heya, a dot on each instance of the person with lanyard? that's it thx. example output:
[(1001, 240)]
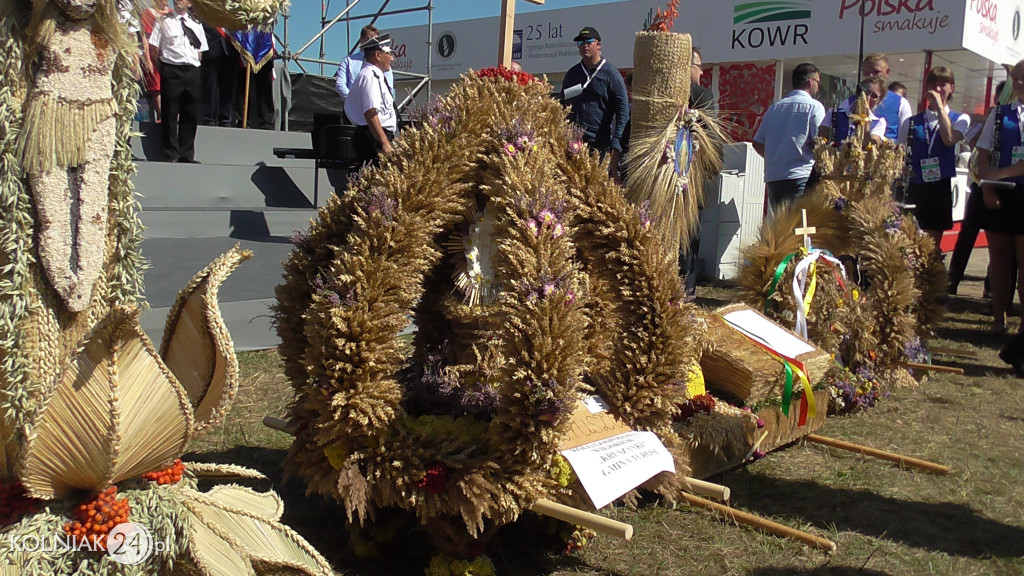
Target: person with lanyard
[(596, 95), (353, 63), (932, 136), (895, 109), (1001, 170), (370, 104), (836, 126), (181, 41)]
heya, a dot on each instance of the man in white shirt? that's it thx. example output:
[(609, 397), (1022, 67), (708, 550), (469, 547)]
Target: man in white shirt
[(370, 102), (181, 41), (353, 63), (785, 137)]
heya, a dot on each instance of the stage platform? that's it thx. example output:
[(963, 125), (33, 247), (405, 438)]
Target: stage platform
[(240, 194)]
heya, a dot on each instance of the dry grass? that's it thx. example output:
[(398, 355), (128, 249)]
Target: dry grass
[(885, 520)]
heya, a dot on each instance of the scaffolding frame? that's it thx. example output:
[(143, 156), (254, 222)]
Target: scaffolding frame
[(297, 56)]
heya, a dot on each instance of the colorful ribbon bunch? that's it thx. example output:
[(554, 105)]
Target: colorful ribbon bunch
[(806, 268)]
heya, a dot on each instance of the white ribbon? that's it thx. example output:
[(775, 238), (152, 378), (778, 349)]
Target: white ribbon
[(800, 285)]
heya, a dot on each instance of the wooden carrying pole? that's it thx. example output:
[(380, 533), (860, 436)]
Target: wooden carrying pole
[(580, 518), (278, 424), (932, 367), (707, 489), (881, 454), (759, 523), (543, 506)]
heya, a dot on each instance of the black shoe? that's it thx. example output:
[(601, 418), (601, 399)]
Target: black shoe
[(951, 289)]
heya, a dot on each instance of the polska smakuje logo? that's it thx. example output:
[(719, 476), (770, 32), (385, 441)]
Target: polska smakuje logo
[(127, 543), (757, 24)]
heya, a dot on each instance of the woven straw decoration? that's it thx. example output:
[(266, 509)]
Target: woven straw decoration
[(239, 14), (116, 412), (661, 79), (197, 347), (236, 531)]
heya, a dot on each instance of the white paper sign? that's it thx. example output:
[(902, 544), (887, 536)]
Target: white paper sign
[(612, 467), (768, 333), (595, 404)]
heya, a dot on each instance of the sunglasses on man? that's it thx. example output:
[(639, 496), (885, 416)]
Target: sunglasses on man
[(587, 41)]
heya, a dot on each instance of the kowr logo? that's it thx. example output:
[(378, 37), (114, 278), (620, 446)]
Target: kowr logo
[(756, 24), (446, 45)]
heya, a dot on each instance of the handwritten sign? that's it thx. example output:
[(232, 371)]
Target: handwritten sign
[(613, 466), (591, 421)]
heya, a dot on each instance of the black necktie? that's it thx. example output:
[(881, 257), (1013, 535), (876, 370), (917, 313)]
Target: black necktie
[(192, 38)]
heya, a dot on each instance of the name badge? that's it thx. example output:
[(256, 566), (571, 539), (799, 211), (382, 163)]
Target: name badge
[(930, 171), (1018, 154)]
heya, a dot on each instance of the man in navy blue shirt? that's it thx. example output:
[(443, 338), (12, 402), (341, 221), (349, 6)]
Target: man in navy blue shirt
[(596, 94)]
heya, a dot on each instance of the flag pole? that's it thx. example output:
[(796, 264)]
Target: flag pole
[(245, 111)]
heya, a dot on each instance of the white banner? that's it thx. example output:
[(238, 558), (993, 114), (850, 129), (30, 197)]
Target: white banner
[(726, 31), (612, 467), (992, 29)]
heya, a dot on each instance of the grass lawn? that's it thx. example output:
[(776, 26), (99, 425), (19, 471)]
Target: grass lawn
[(885, 520)]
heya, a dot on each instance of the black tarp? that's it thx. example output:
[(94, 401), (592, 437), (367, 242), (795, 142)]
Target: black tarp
[(311, 95)]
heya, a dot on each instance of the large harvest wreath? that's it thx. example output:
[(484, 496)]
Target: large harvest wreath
[(892, 298), (572, 292)]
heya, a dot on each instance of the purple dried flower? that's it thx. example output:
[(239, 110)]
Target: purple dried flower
[(840, 204), (532, 226), (570, 297), (758, 454), (520, 137), (376, 199), (300, 238), (644, 213), (558, 230), (760, 423)]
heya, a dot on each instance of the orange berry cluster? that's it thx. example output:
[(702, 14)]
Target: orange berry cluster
[(14, 503), (97, 517), (502, 73), (170, 475)]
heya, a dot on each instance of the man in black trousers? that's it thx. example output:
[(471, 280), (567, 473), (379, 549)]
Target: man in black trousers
[(181, 41), (220, 78)]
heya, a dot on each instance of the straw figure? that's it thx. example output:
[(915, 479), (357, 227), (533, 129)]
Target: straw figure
[(94, 418), (673, 149), (875, 318), (559, 287)]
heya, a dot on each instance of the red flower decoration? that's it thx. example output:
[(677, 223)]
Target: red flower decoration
[(663, 21), (435, 480), (702, 404), (502, 73), (15, 503)]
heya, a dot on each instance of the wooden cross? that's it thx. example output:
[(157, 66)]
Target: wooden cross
[(805, 230), (507, 23)]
